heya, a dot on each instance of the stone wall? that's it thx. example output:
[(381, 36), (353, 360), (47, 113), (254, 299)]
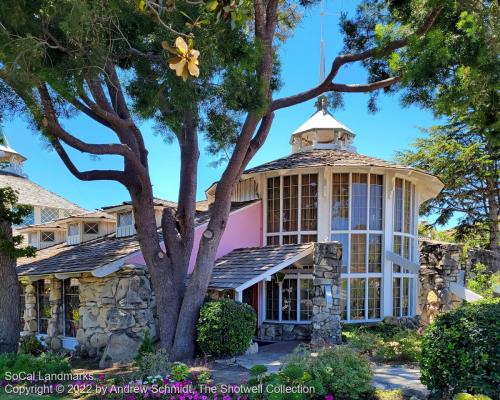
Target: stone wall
[(29, 316), (275, 331), (114, 313), (486, 257), (326, 326), (439, 266)]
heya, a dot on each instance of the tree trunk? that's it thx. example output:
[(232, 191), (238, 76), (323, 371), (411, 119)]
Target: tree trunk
[(9, 296), (494, 213)]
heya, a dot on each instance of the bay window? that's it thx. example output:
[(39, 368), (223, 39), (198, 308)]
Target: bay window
[(292, 209), (404, 244), (357, 205), (289, 298)]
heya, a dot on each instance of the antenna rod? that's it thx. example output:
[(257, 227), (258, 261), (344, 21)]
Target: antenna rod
[(321, 46)]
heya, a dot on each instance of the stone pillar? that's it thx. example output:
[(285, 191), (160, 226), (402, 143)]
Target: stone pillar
[(30, 325), (54, 325), (326, 327), (439, 265)]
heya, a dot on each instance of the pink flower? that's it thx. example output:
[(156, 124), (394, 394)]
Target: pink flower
[(329, 397)]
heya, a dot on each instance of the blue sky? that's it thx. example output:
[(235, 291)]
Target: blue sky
[(380, 135)]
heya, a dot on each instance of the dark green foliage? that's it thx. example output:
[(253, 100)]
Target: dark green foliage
[(225, 327), (46, 363), (461, 351), (179, 371), (30, 345), (146, 347), (13, 213)]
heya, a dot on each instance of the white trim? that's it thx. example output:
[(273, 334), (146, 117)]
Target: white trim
[(276, 268), (464, 293), (63, 276), (402, 262)]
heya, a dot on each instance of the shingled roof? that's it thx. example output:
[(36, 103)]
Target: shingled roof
[(321, 158), (90, 255), (29, 193), (243, 265)]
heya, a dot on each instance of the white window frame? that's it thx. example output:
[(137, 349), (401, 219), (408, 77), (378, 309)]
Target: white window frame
[(42, 233), (92, 225), (413, 249), (123, 213), (367, 232), (288, 275), (299, 233), (54, 214)]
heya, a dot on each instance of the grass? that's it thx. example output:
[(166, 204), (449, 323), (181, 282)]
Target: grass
[(383, 342), (394, 394)]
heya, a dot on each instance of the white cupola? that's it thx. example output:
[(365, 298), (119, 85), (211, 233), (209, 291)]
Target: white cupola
[(322, 132), (10, 160)]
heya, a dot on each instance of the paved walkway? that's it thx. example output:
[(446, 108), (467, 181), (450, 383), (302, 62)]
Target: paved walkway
[(385, 377)]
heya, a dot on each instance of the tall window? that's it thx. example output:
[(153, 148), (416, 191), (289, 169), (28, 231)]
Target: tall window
[(73, 229), (43, 306), (357, 223), (48, 214), (289, 299), (292, 209), (71, 303), (404, 244), (22, 306)]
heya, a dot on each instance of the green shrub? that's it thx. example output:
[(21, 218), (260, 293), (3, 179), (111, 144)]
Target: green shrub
[(461, 351), (484, 282), (146, 347), (31, 345), (342, 372), (466, 396), (46, 363), (179, 371), (153, 364), (225, 327)]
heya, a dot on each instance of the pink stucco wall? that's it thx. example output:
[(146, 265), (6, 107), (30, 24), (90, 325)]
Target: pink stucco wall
[(244, 229)]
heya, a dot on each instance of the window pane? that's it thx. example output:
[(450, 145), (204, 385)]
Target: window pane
[(309, 200), (47, 237), (91, 228), (273, 204), (71, 308), (290, 202), (405, 301), (48, 214), (398, 205), (306, 295), (73, 229), (357, 299), (340, 202), (290, 239), (407, 207), (375, 253), (32, 238), (343, 238), (125, 219), (308, 238), (22, 306), (376, 197), (272, 300), (289, 299), (343, 304), (374, 298), (43, 306), (396, 248), (358, 253), (273, 240), (359, 201), (30, 218), (396, 297)]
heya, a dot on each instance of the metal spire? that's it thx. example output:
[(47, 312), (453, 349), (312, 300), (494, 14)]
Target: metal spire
[(321, 45)]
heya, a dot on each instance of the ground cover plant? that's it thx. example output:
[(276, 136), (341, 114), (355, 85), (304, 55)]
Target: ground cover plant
[(383, 342)]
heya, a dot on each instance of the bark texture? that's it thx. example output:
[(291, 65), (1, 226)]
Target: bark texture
[(9, 296)]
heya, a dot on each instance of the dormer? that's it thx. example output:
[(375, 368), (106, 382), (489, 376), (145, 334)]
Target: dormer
[(44, 235), (124, 215), (84, 227), (322, 132)]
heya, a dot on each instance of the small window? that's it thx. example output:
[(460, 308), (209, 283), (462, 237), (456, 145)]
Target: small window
[(91, 228), (48, 214), (73, 229), (32, 238), (47, 237), (125, 219)]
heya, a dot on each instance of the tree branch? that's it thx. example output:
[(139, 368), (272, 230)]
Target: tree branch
[(341, 60)]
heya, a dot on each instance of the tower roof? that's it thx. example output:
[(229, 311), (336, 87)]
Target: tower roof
[(322, 119), (6, 150)]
